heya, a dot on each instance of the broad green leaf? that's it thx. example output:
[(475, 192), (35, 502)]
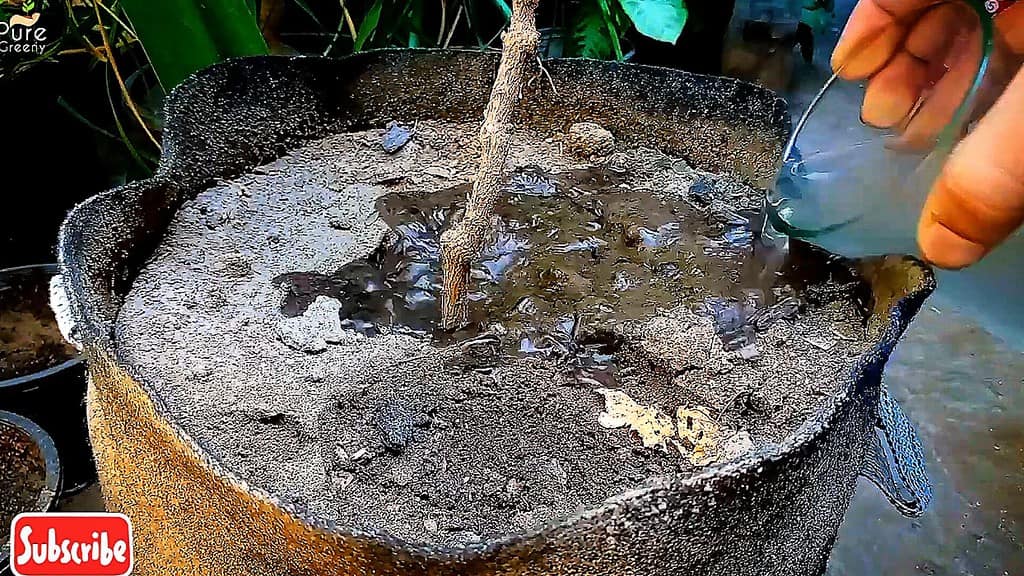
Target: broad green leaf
[(590, 35), (368, 25), (504, 7), (613, 32), (659, 19), (182, 36), (817, 18)]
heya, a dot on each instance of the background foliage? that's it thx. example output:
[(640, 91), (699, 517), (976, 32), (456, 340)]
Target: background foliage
[(131, 52)]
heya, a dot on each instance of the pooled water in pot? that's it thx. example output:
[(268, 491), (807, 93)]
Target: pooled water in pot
[(572, 255)]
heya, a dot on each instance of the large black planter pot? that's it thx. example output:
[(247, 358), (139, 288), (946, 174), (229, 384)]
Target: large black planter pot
[(775, 512)]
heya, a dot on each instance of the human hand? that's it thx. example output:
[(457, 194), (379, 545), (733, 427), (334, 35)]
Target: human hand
[(920, 58)]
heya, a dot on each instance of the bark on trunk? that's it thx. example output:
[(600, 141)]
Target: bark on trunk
[(462, 243)]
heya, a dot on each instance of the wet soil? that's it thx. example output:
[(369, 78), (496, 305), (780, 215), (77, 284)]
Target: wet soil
[(288, 323), (29, 338), (22, 477)]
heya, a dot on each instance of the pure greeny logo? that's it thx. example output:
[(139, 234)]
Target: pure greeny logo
[(20, 33)]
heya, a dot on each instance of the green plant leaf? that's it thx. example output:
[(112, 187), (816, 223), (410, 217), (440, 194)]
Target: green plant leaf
[(589, 34), (613, 31), (368, 25), (504, 7), (309, 12), (182, 36), (659, 19), (818, 19), (414, 21), (399, 18)]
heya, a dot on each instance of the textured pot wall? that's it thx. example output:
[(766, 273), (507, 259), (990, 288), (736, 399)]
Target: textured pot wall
[(774, 513), (190, 520)]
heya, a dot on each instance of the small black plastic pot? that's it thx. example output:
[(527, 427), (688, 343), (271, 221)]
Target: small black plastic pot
[(17, 430), (53, 397)]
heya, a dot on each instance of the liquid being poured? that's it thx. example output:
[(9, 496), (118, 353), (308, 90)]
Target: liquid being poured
[(571, 256)]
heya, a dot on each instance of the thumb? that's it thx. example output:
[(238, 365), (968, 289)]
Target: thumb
[(978, 199)]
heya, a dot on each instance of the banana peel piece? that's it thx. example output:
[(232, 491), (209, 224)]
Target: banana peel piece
[(700, 433), (653, 427), (693, 432)]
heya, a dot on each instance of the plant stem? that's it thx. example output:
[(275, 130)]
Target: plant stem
[(461, 244), (455, 24), (444, 19), (117, 74)]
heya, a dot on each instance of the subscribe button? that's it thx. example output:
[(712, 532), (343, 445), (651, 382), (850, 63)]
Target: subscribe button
[(71, 545)]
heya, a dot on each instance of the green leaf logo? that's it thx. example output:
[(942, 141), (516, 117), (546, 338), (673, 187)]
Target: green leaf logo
[(28, 6)]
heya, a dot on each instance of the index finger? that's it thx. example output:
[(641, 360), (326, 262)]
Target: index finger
[(875, 31), (978, 199)]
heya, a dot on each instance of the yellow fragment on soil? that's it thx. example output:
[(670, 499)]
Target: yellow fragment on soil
[(620, 410), (693, 431), (699, 432)]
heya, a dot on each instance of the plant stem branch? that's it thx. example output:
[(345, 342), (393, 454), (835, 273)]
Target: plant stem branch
[(348, 20), (451, 31), (117, 74), (444, 18), (461, 244)]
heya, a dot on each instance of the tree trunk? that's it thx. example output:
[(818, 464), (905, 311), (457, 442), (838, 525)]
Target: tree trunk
[(462, 243)]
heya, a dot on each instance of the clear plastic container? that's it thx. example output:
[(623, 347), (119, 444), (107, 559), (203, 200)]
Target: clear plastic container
[(865, 154)]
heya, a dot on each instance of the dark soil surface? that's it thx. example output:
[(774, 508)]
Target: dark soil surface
[(286, 322), (29, 338)]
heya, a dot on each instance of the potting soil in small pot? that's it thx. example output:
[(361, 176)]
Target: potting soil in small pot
[(29, 338), (623, 328), (23, 479)]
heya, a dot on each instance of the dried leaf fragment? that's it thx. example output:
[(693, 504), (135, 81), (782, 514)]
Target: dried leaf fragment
[(653, 427)]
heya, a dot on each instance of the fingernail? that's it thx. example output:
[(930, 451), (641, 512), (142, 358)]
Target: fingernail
[(839, 57), (883, 111), (946, 249)]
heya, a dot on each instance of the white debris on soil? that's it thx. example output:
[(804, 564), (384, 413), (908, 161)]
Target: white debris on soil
[(315, 328)]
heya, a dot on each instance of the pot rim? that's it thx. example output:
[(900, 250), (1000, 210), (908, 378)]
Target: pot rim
[(26, 379), (51, 460), (746, 468)]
